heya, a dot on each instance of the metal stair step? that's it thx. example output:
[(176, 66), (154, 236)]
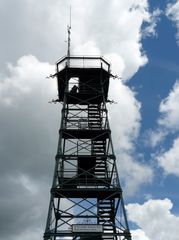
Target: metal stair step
[(93, 107), (105, 209), (104, 206), (105, 203), (106, 225), (99, 143), (98, 147), (106, 214), (95, 124), (100, 175), (95, 111), (103, 152), (99, 154), (99, 151)]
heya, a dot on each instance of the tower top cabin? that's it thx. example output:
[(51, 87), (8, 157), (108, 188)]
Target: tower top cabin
[(83, 80)]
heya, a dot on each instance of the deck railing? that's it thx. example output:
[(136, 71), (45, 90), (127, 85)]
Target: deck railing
[(83, 62)]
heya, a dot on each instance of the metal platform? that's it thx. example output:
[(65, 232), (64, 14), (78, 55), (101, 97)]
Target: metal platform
[(84, 192)]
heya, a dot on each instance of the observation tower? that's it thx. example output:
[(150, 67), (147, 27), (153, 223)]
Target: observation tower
[(86, 196)]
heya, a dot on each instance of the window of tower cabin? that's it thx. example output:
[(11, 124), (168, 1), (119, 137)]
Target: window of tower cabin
[(73, 85)]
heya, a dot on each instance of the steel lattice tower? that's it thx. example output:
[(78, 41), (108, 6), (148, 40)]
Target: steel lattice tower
[(86, 196)]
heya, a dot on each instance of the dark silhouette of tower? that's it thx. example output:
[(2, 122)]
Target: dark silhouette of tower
[(86, 196)]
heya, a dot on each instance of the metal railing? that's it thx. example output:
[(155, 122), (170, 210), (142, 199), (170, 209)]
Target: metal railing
[(83, 62)]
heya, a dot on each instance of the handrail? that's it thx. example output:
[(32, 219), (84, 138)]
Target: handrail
[(68, 61)]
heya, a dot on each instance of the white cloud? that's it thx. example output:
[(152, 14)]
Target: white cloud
[(117, 66), (29, 234), (169, 109), (168, 120), (27, 183), (150, 29), (22, 206), (27, 76), (103, 25), (28, 126), (88, 48), (124, 116), (125, 122), (169, 160), (138, 234), (172, 11), (133, 173), (154, 137), (154, 217)]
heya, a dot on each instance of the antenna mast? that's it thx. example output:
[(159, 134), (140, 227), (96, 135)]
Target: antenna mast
[(69, 35)]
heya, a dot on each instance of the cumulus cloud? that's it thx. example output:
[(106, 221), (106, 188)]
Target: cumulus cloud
[(168, 119), (138, 234), (133, 173), (154, 137), (34, 233), (99, 25), (24, 78), (125, 121), (111, 36), (28, 126), (172, 11), (169, 160), (150, 29), (27, 209), (167, 124), (88, 48), (125, 115), (169, 109), (155, 218)]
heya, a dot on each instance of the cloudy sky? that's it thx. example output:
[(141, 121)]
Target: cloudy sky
[(140, 38)]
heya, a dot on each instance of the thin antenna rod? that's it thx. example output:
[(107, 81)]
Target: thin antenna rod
[(69, 35), (70, 15)]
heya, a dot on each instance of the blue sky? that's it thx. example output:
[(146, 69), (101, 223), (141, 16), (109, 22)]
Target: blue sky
[(153, 82), (140, 39)]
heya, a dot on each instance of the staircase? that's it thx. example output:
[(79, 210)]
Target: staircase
[(106, 216), (98, 146), (99, 150), (94, 117)]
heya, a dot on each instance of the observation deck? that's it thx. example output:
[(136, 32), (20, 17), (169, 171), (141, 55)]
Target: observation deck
[(83, 80)]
